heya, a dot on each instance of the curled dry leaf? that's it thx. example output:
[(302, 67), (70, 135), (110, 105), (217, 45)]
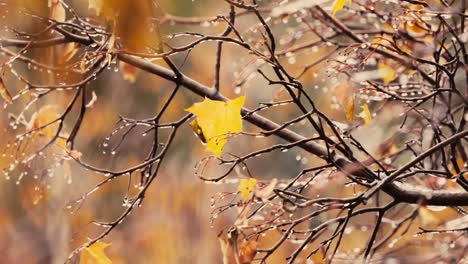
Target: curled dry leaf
[(92, 101), (4, 92), (228, 243), (266, 191), (233, 253)]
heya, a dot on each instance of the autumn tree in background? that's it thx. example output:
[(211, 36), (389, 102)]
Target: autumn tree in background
[(342, 124)]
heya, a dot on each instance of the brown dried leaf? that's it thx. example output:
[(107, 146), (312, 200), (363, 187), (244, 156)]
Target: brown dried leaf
[(266, 191), (228, 243), (4, 92)]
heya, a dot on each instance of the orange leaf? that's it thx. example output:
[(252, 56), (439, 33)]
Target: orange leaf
[(460, 164), (247, 251), (128, 71), (317, 257)]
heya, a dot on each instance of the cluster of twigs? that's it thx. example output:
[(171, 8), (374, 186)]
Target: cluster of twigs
[(422, 42)]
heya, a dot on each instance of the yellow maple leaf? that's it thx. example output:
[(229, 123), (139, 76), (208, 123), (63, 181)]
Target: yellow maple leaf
[(215, 120), (338, 5), (387, 73), (246, 187), (365, 114), (94, 254)]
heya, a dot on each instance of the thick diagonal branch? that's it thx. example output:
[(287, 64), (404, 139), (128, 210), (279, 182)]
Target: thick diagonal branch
[(400, 192)]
